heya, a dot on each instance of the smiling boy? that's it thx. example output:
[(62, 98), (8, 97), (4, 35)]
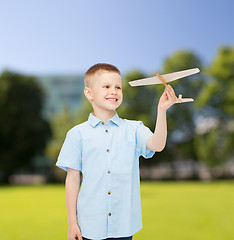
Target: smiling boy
[(106, 149)]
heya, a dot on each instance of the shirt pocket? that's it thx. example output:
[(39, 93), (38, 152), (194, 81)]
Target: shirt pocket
[(126, 153)]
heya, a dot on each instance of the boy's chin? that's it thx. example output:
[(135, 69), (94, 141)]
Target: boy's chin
[(112, 108), (114, 104)]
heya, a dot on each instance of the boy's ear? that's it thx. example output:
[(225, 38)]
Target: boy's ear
[(88, 93)]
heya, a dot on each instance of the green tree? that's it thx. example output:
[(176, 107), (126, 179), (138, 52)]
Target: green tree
[(218, 90), (23, 131), (215, 145)]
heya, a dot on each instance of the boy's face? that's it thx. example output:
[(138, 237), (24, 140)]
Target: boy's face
[(106, 91)]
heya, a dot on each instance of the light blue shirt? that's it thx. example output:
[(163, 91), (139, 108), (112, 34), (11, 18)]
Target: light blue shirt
[(107, 154)]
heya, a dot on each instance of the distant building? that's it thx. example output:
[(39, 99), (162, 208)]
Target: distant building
[(61, 90)]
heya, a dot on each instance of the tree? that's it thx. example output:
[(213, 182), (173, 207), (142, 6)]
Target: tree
[(23, 131), (218, 91), (215, 144)]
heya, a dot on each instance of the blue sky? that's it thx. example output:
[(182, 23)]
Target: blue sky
[(67, 37)]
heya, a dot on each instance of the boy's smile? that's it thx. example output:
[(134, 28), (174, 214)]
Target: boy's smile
[(106, 92)]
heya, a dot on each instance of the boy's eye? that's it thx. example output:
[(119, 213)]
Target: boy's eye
[(108, 87)]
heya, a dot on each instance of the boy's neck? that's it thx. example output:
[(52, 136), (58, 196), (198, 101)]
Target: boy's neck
[(104, 116)]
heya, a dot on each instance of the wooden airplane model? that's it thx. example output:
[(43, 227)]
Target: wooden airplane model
[(158, 79)]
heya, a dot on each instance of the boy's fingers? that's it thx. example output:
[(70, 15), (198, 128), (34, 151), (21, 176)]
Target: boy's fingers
[(172, 93), (172, 97), (164, 95), (79, 238), (170, 88)]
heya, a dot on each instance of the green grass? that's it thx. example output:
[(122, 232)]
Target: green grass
[(171, 211)]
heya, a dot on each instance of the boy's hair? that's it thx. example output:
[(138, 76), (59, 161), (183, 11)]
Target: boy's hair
[(98, 67)]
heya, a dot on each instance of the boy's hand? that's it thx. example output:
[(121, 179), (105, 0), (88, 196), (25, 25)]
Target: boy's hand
[(167, 99), (74, 232)]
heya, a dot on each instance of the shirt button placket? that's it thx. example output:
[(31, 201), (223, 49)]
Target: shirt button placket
[(108, 161)]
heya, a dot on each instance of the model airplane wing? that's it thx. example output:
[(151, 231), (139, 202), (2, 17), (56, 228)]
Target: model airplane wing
[(183, 100), (167, 77)]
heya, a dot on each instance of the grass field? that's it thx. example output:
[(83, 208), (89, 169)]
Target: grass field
[(171, 211)]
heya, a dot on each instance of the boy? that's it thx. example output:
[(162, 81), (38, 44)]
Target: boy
[(106, 150)]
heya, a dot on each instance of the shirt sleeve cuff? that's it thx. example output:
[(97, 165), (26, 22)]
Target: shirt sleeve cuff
[(67, 165), (147, 153)]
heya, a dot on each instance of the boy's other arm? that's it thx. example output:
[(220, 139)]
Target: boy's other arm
[(71, 189), (157, 142)]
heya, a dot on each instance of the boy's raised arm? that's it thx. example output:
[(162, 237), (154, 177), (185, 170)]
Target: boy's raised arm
[(157, 142)]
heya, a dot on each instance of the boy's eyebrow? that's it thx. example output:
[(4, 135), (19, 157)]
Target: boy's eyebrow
[(111, 83)]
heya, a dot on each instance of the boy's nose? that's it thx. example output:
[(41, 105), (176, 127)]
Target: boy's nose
[(113, 91)]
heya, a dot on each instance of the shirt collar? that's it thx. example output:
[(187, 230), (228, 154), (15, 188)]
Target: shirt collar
[(94, 121)]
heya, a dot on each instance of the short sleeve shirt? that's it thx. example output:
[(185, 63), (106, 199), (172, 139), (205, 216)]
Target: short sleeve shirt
[(107, 154)]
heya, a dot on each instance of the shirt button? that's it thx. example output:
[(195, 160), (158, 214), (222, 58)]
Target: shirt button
[(102, 122), (106, 131), (109, 214), (108, 150), (109, 192), (108, 171)]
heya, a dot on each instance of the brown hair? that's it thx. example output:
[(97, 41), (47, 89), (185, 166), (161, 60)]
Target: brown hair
[(98, 67)]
